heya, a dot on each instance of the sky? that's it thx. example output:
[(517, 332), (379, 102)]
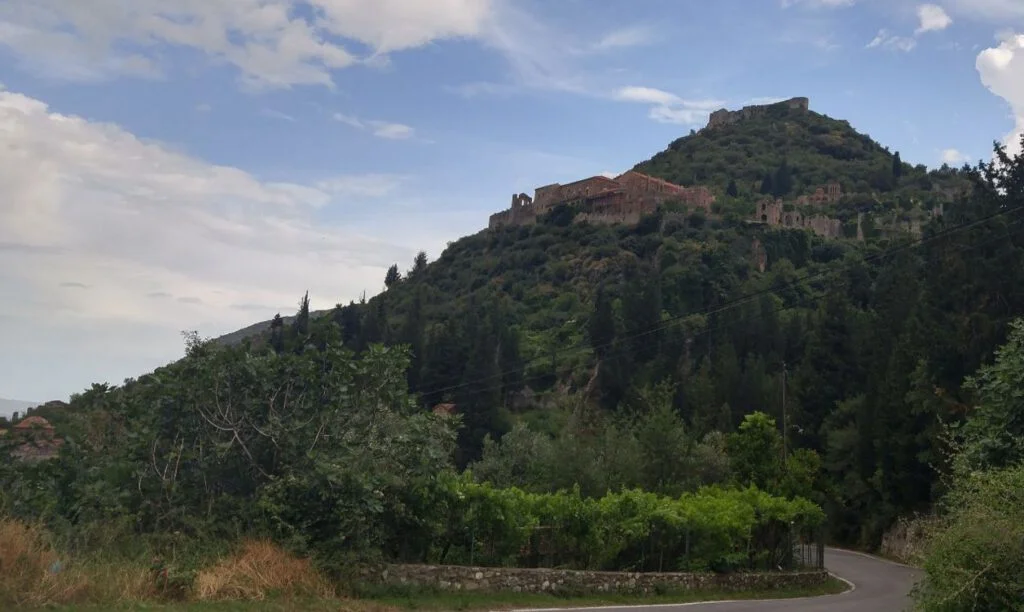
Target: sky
[(200, 164)]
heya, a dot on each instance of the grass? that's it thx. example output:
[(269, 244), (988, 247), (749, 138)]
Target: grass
[(437, 602), (259, 576)]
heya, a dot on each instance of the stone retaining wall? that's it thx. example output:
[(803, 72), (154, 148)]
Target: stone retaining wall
[(458, 578)]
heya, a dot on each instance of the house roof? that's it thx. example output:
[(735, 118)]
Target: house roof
[(33, 421)]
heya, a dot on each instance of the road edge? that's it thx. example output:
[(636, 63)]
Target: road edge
[(852, 588)]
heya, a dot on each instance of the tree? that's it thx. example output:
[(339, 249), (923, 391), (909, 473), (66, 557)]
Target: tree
[(767, 184), (782, 182), (300, 326), (277, 333), (755, 452), (993, 435), (418, 265), (897, 166), (732, 190), (393, 276)]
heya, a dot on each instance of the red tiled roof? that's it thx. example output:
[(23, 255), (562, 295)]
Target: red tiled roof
[(33, 421)]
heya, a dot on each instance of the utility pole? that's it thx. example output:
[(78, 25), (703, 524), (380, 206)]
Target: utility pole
[(785, 423)]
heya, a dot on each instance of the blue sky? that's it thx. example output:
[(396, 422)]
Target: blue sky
[(199, 167)]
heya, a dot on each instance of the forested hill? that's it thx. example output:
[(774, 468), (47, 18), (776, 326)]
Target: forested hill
[(616, 356), (873, 340), (815, 148)]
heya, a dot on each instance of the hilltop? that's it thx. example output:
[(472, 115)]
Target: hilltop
[(778, 153)]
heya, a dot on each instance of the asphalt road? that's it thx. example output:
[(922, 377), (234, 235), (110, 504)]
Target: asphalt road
[(879, 586)]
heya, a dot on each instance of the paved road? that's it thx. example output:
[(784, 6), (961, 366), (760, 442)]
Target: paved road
[(879, 586)]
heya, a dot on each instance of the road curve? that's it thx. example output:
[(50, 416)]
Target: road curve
[(878, 586)]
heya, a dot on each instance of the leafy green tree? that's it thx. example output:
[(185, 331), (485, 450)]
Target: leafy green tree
[(993, 434), (755, 452)]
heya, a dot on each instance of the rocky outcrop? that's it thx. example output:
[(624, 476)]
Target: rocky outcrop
[(523, 580)]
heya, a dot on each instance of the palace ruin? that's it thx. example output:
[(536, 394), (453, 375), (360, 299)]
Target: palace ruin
[(623, 199)]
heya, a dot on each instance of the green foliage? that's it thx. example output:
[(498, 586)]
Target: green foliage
[(974, 558), (993, 435), (714, 528)]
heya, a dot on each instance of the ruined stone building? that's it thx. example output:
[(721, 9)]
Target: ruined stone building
[(32, 439), (623, 199), (773, 212), (726, 117)]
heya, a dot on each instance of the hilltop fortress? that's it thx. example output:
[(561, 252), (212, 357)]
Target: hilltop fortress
[(623, 199), (725, 117)]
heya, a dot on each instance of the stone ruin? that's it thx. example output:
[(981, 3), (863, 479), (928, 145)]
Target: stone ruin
[(726, 117), (772, 211), (623, 199)]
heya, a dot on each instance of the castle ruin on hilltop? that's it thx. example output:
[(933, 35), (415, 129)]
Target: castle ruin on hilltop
[(726, 117), (623, 199)]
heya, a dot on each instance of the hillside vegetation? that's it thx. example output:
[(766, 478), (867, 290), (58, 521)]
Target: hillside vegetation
[(620, 395)]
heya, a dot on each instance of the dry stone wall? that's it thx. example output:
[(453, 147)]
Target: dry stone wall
[(524, 580)]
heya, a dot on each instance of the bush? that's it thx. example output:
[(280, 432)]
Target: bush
[(974, 556)]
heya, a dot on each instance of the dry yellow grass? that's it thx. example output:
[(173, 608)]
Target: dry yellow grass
[(260, 568), (33, 573)]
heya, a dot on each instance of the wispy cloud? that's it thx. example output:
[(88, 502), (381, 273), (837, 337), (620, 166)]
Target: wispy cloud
[(381, 129), (623, 38), (667, 107), (276, 114), (887, 40)]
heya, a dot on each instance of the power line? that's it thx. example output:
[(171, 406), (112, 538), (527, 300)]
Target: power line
[(626, 349), (669, 322)]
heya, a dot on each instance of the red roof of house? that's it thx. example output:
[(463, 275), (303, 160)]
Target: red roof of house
[(33, 421)]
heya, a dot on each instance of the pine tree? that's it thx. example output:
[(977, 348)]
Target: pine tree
[(897, 166), (767, 188), (277, 333), (419, 264), (300, 326), (782, 182), (392, 277), (732, 190)]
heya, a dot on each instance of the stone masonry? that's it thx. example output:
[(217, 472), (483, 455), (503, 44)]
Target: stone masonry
[(624, 199), (772, 212), (725, 117), (520, 580)]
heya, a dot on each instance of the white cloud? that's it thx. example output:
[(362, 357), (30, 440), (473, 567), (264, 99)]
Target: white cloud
[(887, 40), (1002, 71), (646, 94), (380, 129), (633, 36), (667, 107), (155, 241), (272, 43), (953, 157), (932, 18)]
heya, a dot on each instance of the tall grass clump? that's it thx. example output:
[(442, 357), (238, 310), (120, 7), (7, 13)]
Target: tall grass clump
[(257, 570)]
